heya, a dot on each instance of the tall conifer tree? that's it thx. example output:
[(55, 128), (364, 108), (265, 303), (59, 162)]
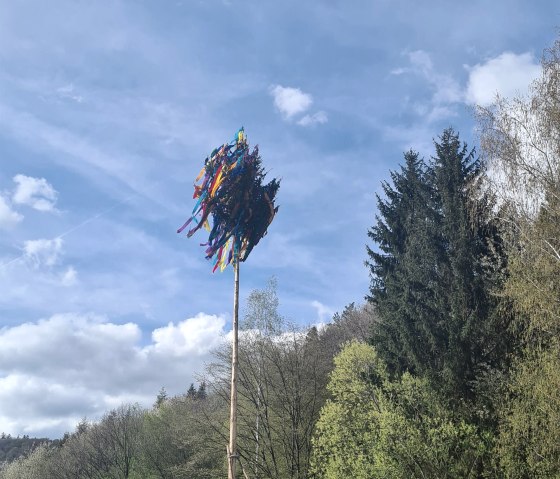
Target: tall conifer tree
[(402, 233), (435, 274)]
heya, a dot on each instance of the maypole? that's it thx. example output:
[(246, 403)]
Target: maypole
[(236, 209), (232, 447)]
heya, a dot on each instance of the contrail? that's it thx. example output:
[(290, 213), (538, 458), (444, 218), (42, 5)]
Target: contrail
[(94, 217), (85, 222)]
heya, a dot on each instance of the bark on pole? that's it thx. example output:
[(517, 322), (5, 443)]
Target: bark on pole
[(232, 448)]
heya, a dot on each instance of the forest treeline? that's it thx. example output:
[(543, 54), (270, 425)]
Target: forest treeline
[(451, 369), (12, 448)]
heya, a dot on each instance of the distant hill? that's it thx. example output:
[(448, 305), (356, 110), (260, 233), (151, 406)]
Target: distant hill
[(13, 447)]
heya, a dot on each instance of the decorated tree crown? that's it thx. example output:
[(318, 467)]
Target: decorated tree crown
[(233, 204)]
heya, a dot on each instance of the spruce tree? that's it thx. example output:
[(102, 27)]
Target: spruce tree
[(191, 392), (434, 277), (459, 293), (400, 269), (161, 397), (471, 268), (201, 392)]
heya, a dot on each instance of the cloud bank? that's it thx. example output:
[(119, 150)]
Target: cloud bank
[(58, 370)]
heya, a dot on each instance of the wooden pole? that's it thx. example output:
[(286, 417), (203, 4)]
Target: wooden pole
[(232, 449)]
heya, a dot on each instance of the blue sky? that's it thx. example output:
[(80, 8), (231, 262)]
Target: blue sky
[(107, 111)]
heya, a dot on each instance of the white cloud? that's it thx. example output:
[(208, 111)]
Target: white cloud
[(35, 192), (43, 252), (8, 217), (197, 335), (446, 90), (422, 61), (69, 92), (109, 285), (400, 71), (317, 118), (324, 313), (507, 75), (440, 112), (69, 277), (290, 101), (60, 369)]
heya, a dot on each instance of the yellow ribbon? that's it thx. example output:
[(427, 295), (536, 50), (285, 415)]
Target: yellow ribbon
[(200, 175)]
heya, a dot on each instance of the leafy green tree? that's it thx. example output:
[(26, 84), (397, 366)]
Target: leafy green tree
[(421, 437), (529, 431), (36, 465), (521, 139), (529, 445), (261, 310), (179, 442), (282, 376), (373, 427), (348, 429), (75, 458)]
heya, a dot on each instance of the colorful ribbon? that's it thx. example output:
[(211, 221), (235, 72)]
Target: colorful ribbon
[(232, 203)]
